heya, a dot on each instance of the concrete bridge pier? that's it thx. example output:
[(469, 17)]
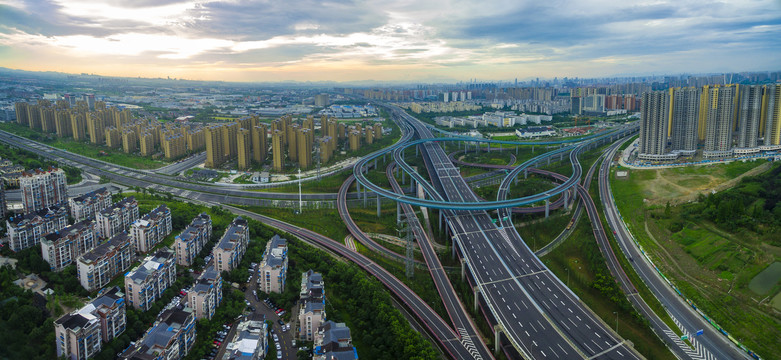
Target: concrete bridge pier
[(403, 177), (378, 205), (365, 196), (398, 212), (547, 208), (453, 247), (463, 269), (566, 199), (525, 173), (548, 160), (497, 338), (476, 292)]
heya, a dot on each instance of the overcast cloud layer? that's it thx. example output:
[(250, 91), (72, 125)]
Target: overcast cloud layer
[(408, 40)]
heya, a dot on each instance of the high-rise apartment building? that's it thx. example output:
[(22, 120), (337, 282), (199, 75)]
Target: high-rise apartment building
[(21, 113), (88, 205), (77, 335), (771, 116), (685, 116), (190, 242), (43, 188), (749, 116), (28, 230), (244, 149), (97, 267), (150, 229), (117, 218), (215, 146), (292, 142), (129, 141), (719, 117), (654, 114), (206, 294), (62, 123), (64, 246), (272, 271), (147, 282), (355, 140), (96, 128), (277, 151), (304, 143), (146, 142), (174, 146), (259, 143), (113, 138), (232, 246), (321, 100)]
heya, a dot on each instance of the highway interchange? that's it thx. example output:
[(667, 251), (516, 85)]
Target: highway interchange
[(531, 308)]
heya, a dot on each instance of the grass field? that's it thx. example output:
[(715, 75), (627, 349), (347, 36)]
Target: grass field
[(710, 266)]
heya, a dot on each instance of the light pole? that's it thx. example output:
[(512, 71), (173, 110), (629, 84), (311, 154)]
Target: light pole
[(300, 198), (616, 312)]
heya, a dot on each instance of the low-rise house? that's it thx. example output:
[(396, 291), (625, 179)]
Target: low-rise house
[(147, 282), (151, 229), (28, 230), (88, 205), (61, 248), (333, 342), (231, 247), (96, 268), (117, 218), (272, 272), (206, 294), (170, 338), (312, 308), (191, 241)]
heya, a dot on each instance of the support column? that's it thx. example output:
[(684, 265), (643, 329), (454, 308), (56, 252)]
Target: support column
[(403, 177), (547, 208), (378, 205), (412, 187), (463, 269), (416, 150), (398, 212), (359, 189), (440, 219), (453, 247), (489, 147), (548, 160), (525, 173), (375, 163), (566, 199), (476, 292), (365, 196), (497, 335)]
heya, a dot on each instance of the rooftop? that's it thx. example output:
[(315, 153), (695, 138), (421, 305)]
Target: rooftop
[(92, 194), (112, 244)]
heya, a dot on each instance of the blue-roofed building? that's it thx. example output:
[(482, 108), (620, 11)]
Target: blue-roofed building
[(171, 337), (78, 335), (191, 241), (249, 343), (312, 308), (206, 294), (147, 282), (232, 246), (272, 272), (333, 342)]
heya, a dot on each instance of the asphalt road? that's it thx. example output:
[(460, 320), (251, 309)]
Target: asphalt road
[(712, 344)]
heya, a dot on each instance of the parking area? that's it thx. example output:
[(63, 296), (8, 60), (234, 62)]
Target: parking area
[(284, 333)]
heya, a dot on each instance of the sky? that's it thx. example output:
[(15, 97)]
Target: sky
[(386, 40)]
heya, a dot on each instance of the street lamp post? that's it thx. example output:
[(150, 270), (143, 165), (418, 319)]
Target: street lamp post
[(616, 312)]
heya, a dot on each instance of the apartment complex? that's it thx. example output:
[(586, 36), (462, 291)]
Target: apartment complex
[(170, 338), (272, 271), (249, 343), (312, 308), (62, 248), (333, 342), (97, 267), (79, 334), (150, 229), (721, 120), (117, 218), (43, 188), (206, 294), (28, 230), (88, 205), (231, 247), (147, 282), (190, 242)]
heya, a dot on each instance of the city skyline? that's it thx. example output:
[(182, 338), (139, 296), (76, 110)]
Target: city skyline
[(400, 41)]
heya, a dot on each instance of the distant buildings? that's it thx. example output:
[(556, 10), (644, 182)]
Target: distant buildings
[(206, 294), (28, 230), (87, 205), (333, 342), (43, 188), (117, 218), (272, 271), (535, 132), (78, 335), (231, 247), (171, 337), (312, 308), (190, 242), (62, 248), (321, 100), (97, 267), (721, 120), (150, 229), (147, 282)]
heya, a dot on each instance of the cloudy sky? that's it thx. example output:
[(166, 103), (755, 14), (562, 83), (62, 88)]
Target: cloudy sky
[(408, 40)]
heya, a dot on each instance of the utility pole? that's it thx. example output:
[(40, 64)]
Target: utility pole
[(409, 258), (300, 198)]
